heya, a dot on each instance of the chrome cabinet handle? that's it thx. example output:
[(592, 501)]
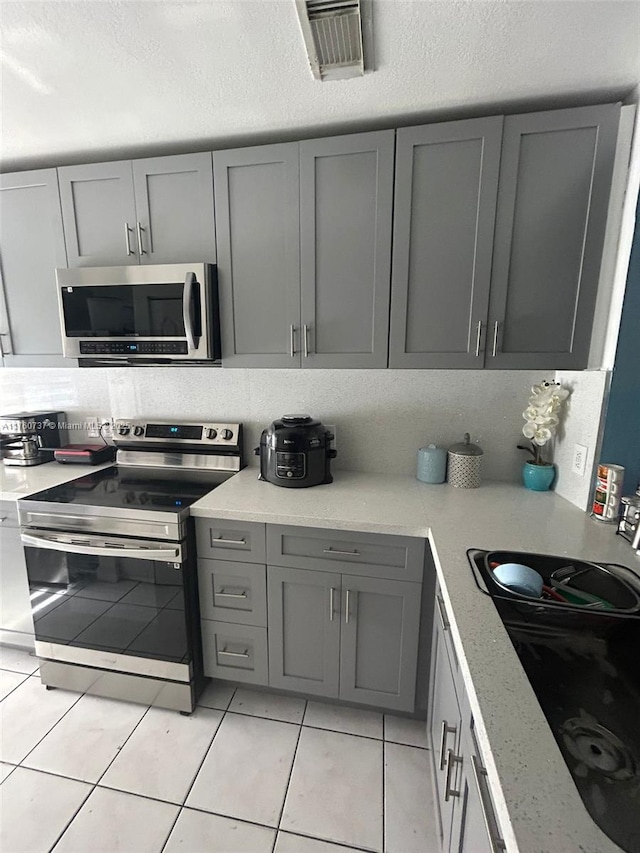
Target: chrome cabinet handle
[(494, 349), (332, 593), (127, 242), (221, 541), (292, 340), (166, 554), (448, 790), (490, 822), (187, 290), (244, 654), (478, 338), (346, 607), (305, 341), (446, 730), (442, 614), (139, 230), (331, 550), (223, 594)]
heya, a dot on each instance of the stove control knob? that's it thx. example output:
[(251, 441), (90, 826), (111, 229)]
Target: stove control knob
[(226, 434), (138, 430), (123, 430), (212, 433)]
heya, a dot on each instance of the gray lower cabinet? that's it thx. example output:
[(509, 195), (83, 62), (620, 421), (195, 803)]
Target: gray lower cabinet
[(555, 177), (16, 622), (344, 636), (445, 201), (31, 247), (156, 210), (233, 592), (234, 652), (304, 630), (304, 246), (467, 818)]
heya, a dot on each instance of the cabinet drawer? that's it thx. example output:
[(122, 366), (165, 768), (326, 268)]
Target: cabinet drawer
[(235, 652), (371, 554), (231, 540), (233, 592), (8, 514)]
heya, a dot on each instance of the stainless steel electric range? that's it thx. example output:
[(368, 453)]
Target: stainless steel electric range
[(112, 566)]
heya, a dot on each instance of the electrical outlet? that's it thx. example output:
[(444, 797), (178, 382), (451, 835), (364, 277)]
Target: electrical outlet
[(580, 453), (332, 430), (99, 426)]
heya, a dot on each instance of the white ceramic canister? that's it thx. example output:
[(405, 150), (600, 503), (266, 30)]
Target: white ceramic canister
[(432, 464), (464, 464)]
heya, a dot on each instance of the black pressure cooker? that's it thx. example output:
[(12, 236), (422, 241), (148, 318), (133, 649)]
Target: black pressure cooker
[(295, 452)]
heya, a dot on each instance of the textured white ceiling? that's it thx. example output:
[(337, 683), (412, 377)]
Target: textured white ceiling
[(82, 79)]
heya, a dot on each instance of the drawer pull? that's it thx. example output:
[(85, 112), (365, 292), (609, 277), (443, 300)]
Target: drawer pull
[(442, 613), (331, 550), (490, 822), (223, 594), (244, 654), (222, 541), (448, 790), (446, 730)]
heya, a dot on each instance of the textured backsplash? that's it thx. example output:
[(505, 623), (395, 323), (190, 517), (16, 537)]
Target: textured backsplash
[(382, 416)]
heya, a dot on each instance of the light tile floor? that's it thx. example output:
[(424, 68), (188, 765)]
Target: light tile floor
[(247, 772)]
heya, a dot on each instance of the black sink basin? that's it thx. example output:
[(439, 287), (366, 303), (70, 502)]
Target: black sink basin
[(582, 664)]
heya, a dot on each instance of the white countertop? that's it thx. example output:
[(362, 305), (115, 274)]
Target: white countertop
[(539, 807), (19, 481)]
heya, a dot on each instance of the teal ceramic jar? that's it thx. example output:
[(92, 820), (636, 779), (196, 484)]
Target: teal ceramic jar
[(538, 478), (432, 464)]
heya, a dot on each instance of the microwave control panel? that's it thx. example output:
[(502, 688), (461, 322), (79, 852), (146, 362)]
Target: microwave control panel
[(131, 348)]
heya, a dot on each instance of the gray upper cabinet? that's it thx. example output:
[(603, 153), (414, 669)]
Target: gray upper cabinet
[(31, 247), (99, 214), (552, 208), (174, 204), (379, 642), (444, 216), (151, 211), (304, 630), (257, 197), (346, 202)]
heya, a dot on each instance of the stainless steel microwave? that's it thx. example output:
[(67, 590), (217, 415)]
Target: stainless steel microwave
[(152, 313)]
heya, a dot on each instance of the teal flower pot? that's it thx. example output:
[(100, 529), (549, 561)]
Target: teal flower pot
[(538, 478)]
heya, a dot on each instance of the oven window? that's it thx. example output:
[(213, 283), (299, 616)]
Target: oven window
[(122, 605), (145, 310)]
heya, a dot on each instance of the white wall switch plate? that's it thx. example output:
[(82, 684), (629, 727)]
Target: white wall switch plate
[(580, 453)]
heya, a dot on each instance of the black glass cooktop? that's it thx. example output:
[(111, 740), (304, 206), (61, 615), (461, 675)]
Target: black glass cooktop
[(584, 668), (128, 487)]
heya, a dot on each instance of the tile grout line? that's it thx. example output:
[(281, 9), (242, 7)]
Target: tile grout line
[(293, 761), (73, 704)]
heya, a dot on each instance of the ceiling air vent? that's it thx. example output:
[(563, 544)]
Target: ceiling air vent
[(337, 35)]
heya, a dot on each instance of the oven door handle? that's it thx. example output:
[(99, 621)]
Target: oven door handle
[(169, 555), (189, 282)]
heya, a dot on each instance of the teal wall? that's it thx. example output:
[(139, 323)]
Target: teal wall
[(621, 442)]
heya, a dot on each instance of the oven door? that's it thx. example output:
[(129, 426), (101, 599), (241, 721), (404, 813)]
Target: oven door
[(138, 313), (110, 602)]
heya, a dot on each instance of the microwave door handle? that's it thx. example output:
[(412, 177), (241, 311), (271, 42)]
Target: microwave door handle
[(189, 282), (167, 554)]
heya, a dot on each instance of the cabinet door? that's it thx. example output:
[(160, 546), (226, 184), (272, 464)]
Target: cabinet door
[(304, 630), (16, 621), (470, 833), (444, 733), (444, 216), (379, 642), (98, 211), (555, 178), (174, 206), (346, 202), (258, 236), (31, 247)]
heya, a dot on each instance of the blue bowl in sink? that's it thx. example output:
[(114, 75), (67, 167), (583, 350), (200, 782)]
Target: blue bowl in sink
[(519, 579)]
